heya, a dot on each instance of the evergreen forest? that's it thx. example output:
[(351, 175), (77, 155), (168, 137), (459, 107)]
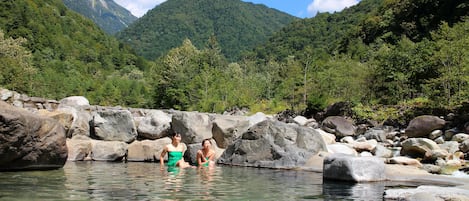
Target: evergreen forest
[(378, 55)]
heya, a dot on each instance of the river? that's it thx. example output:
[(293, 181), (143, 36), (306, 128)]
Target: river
[(146, 181)]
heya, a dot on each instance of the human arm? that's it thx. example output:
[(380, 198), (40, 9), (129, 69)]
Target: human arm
[(162, 155), (200, 158)]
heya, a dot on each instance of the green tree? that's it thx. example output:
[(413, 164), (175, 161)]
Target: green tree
[(452, 59), (16, 68)]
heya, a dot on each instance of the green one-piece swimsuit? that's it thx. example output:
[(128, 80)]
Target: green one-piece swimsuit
[(174, 157), (206, 163)]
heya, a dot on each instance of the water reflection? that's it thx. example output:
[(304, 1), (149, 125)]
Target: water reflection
[(334, 190), (145, 181), (39, 185)]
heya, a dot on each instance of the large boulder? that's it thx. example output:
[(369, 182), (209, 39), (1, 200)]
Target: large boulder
[(29, 141), (355, 169), (146, 150), (114, 125), (257, 118), (419, 148), (339, 126), (76, 122), (274, 144), (193, 126), (227, 128), (155, 125), (74, 101), (79, 148), (108, 150), (422, 126)]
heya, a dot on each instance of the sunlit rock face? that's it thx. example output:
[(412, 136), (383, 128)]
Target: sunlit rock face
[(274, 144), (29, 141)]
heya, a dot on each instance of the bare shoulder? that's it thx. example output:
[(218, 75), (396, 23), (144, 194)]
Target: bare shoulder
[(211, 152)]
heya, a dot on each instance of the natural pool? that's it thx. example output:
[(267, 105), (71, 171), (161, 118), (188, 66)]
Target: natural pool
[(145, 181)]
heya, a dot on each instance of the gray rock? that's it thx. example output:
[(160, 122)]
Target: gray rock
[(435, 134), (79, 148), (427, 193), (340, 148), (382, 152), (228, 128), (300, 120), (80, 124), (401, 160), (339, 126), (74, 101), (193, 126), (419, 148), (450, 132), (378, 134), (274, 144), (460, 137), (450, 146), (155, 125), (5, 94), (464, 146), (146, 150), (114, 125), (440, 140), (355, 169), (29, 141), (422, 126), (434, 169), (108, 150), (257, 118)]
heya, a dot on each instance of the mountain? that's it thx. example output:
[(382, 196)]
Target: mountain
[(69, 55), (237, 26), (322, 34), (107, 14), (368, 21)]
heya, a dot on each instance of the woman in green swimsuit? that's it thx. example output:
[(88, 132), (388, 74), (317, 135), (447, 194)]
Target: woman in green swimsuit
[(206, 155), (175, 152)]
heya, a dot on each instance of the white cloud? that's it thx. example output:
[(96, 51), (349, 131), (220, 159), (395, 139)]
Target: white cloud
[(329, 5), (139, 7)]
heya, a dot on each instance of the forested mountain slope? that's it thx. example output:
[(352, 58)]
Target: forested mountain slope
[(236, 25), (65, 54), (107, 14)]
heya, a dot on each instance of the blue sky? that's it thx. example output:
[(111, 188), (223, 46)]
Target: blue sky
[(299, 8)]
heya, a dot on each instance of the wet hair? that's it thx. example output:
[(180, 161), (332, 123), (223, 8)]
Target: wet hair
[(203, 141), (174, 133)]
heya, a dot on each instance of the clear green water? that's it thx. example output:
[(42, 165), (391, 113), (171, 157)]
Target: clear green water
[(145, 181)]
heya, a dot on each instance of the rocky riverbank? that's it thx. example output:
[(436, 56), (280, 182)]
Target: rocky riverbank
[(423, 151)]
